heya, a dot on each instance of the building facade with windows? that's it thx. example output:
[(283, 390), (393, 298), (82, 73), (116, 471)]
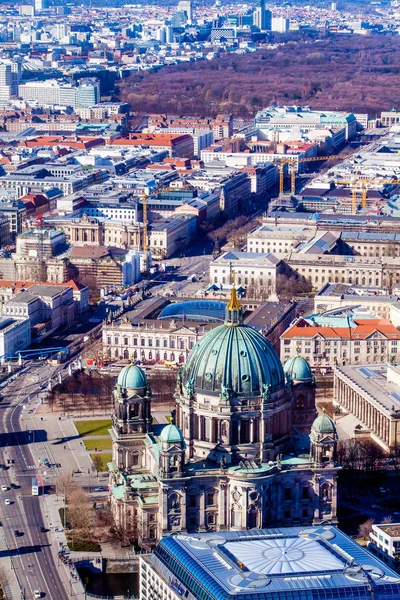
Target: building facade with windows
[(328, 340), (234, 459), (159, 342), (385, 543), (372, 394), (246, 269)]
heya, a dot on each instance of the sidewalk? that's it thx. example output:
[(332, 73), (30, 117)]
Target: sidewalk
[(12, 589), (50, 508)]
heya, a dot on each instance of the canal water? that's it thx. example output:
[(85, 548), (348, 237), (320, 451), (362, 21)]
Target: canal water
[(110, 584)]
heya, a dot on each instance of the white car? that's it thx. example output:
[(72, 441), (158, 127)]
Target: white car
[(7, 502), (37, 594), (4, 488)]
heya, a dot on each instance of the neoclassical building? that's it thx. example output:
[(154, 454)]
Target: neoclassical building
[(246, 449)]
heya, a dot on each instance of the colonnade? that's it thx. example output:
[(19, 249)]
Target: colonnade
[(364, 410)]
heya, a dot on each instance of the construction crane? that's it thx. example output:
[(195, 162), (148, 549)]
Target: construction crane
[(293, 161), (357, 184)]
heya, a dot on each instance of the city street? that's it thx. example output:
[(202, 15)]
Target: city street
[(31, 554)]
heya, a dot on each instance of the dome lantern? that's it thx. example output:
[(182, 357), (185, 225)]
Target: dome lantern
[(233, 357), (233, 311)]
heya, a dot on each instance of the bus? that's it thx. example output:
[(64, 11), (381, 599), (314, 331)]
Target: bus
[(35, 487)]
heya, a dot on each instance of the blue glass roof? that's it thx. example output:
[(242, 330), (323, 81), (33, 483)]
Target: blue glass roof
[(294, 563), (195, 310)]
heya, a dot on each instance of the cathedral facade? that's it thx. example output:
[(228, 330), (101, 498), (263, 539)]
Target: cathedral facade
[(246, 449)]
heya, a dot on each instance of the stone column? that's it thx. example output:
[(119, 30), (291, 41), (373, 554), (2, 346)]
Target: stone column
[(251, 431), (201, 509)]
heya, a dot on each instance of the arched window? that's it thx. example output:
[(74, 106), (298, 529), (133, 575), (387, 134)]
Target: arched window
[(174, 502), (326, 492), (126, 354)]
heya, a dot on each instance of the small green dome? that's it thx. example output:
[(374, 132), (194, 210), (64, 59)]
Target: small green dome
[(132, 377), (171, 434), (298, 369), (323, 424), (234, 356)]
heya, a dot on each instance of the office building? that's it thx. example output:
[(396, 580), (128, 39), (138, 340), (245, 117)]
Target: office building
[(371, 393), (45, 93), (291, 563), (385, 543), (6, 81), (26, 10), (88, 92), (280, 24), (187, 7), (262, 17), (41, 5)]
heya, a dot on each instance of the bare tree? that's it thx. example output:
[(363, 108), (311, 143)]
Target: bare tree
[(4, 580), (97, 462), (65, 485), (364, 529), (388, 519), (79, 512)]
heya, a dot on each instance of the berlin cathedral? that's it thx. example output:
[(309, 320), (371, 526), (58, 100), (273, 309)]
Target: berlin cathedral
[(245, 450)]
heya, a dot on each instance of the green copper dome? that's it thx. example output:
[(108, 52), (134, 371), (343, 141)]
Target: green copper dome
[(132, 377), (323, 424), (170, 434), (236, 357), (298, 369)]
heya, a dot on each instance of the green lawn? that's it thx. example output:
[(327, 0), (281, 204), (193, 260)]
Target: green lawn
[(95, 444), (93, 427), (105, 458)]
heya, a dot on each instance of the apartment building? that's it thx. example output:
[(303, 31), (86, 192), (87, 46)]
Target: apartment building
[(326, 340), (371, 393)]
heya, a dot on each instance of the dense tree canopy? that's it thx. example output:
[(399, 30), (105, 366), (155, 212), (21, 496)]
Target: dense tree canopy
[(346, 72)]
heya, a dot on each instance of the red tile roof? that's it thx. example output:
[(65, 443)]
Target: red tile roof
[(365, 328)]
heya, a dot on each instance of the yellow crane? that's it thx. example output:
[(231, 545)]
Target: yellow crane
[(358, 183), (293, 161)]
